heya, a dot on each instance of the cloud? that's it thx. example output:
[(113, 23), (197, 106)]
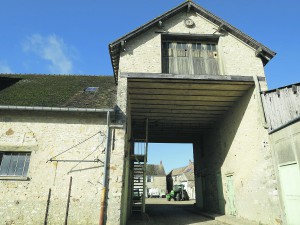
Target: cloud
[(52, 49), (4, 68)]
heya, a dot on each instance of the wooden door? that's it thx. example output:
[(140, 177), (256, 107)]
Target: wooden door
[(220, 193), (290, 188), (230, 204)]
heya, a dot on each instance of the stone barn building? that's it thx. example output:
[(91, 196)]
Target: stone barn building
[(67, 142)]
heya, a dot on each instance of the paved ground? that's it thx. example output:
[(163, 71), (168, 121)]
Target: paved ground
[(162, 212)]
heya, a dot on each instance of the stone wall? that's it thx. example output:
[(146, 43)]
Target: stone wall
[(158, 182), (238, 146), (46, 134), (121, 185)]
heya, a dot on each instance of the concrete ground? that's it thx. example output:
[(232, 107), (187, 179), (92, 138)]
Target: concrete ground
[(161, 212)]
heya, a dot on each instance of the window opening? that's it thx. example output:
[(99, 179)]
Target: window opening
[(14, 163), (91, 89), (190, 58), (149, 179)]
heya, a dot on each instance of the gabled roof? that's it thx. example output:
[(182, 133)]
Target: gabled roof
[(57, 91), (189, 176), (177, 171), (155, 170), (181, 170), (115, 47)]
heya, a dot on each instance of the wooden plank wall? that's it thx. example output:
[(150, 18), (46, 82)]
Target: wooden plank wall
[(281, 105)]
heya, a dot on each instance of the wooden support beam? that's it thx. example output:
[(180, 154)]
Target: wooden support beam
[(157, 91), (200, 107), (189, 86), (182, 102), (184, 98)]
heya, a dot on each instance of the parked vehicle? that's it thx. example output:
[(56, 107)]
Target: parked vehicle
[(153, 193), (178, 193)]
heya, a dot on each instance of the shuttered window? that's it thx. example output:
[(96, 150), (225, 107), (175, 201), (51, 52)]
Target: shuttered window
[(190, 58)]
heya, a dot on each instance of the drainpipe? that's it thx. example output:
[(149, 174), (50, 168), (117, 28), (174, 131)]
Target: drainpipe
[(105, 170)]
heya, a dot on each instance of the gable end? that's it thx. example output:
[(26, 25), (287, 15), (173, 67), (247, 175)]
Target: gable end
[(116, 47)]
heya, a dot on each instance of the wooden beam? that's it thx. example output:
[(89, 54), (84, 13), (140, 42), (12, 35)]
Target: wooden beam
[(182, 102), (190, 81), (157, 91), (206, 77), (184, 98), (170, 115), (177, 111), (202, 107), (189, 86)]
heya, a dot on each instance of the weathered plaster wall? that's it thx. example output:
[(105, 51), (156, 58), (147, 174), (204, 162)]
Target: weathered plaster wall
[(286, 144), (239, 146), (143, 54), (120, 187), (46, 135)]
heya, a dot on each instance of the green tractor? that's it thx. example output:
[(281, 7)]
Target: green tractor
[(178, 193)]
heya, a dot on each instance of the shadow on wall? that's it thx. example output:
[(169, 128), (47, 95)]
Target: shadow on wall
[(214, 150)]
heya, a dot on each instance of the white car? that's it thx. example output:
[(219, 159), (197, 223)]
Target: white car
[(153, 193)]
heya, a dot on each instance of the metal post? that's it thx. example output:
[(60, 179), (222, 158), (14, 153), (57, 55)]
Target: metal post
[(68, 202), (145, 166), (103, 193), (47, 207)]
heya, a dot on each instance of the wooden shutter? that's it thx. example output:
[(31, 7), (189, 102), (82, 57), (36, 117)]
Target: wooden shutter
[(198, 59), (190, 58), (212, 66), (182, 57)]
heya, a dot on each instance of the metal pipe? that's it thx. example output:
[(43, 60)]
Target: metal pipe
[(103, 193), (73, 160), (145, 167), (47, 207), (54, 109), (68, 202)]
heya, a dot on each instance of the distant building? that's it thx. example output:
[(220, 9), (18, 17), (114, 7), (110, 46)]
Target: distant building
[(183, 175), (156, 179), (188, 180)]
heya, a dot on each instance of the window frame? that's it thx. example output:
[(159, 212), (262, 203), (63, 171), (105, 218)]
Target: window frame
[(23, 165)]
